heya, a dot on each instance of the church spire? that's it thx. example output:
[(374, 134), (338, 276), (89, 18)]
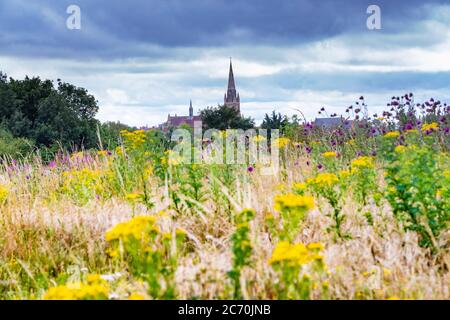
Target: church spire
[(231, 98), (191, 110), (231, 84)]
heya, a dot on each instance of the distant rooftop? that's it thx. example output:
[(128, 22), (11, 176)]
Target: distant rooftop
[(331, 122)]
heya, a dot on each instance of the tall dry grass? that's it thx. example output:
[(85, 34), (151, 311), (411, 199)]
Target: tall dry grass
[(45, 240)]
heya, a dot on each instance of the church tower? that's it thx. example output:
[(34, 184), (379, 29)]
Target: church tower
[(232, 99), (191, 110)]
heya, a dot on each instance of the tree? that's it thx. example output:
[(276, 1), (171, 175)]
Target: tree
[(51, 117), (223, 117), (79, 100), (275, 121), (55, 122)]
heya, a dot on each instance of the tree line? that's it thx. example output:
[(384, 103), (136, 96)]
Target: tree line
[(38, 114)]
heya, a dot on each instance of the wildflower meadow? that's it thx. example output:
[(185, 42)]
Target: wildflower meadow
[(356, 211)]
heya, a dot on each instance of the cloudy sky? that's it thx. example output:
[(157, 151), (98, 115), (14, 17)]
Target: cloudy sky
[(145, 59)]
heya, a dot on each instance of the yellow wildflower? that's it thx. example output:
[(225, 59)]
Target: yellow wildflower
[(82, 184), (167, 236), (299, 186), (392, 134), (362, 162), (133, 140), (77, 291), (293, 202), (344, 173), (430, 127), (148, 169), (134, 197), (400, 149), (294, 255), (326, 179), (180, 232), (282, 142), (94, 278), (316, 246), (386, 272), (119, 151), (102, 152), (137, 228), (136, 296), (329, 154), (3, 193), (447, 173)]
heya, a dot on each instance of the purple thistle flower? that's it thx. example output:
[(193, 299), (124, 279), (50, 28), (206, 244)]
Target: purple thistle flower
[(250, 169)]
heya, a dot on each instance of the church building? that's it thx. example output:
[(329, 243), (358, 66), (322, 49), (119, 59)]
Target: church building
[(231, 100), (176, 121)]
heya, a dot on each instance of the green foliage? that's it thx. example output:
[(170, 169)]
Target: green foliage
[(14, 147), (148, 253), (274, 121), (137, 159), (52, 117), (242, 248), (417, 187), (330, 187), (223, 117), (109, 133)]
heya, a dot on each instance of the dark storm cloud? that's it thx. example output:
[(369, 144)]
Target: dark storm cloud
[(123, 29)]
